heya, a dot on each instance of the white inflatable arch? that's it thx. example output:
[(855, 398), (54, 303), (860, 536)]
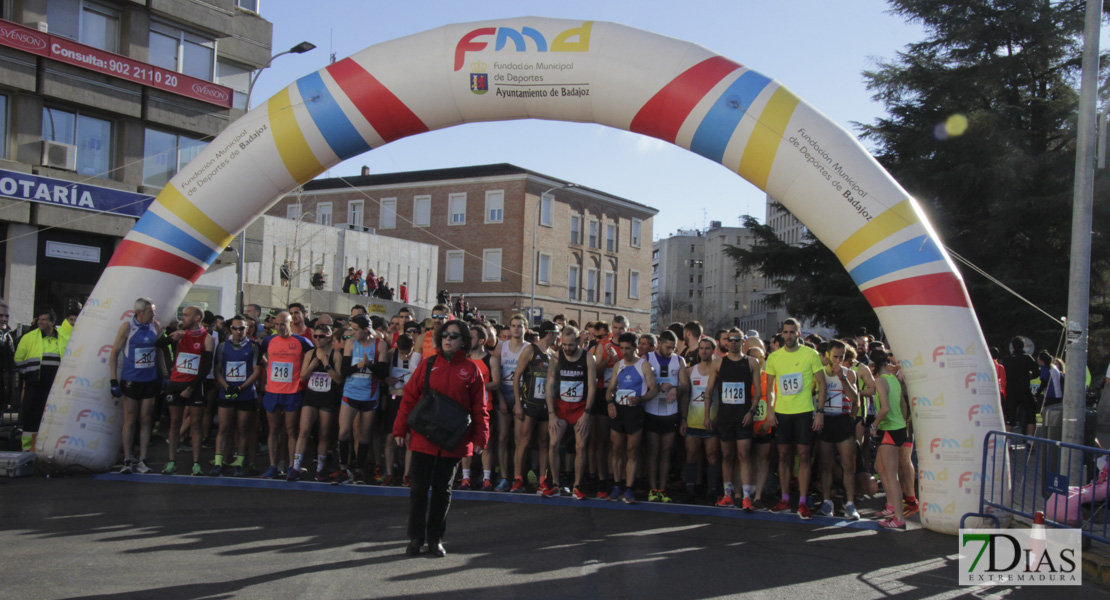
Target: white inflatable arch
[(561, 70)]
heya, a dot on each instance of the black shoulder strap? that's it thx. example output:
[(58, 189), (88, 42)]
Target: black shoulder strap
[(428, 373)]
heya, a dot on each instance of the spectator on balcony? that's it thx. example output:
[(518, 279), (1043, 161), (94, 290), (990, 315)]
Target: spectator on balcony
[(371, 283), (404, 292), (318, 279), (286, 272)]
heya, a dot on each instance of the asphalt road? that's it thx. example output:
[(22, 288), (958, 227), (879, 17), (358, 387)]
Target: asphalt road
[(113, 536)]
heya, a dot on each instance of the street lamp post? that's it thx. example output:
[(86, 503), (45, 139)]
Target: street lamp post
[(535, 261), (300, 48)]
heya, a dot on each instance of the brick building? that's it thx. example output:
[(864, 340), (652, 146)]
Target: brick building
[(592, 254)]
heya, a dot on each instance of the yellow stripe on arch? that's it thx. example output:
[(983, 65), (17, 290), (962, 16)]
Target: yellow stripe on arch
[(175, 202), (299, 160), (763, 145), (897, 218)]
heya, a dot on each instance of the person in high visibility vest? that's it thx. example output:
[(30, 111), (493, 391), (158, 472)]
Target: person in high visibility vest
[(38, 357)]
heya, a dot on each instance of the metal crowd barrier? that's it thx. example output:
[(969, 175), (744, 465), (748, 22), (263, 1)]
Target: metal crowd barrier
[(1068, 482)]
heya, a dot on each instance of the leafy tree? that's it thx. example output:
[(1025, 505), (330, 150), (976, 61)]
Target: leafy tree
[(814, 284)]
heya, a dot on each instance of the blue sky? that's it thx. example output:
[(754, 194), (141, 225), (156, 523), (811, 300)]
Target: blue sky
[(816, 48)]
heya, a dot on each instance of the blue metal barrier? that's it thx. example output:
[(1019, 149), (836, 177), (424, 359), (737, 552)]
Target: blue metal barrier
[(1037, 470)]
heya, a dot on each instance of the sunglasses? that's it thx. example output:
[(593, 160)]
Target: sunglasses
[(238, 327), (439, 317), (321, 337), (452, 336), (347, 337), (732, 339), (413, 331)]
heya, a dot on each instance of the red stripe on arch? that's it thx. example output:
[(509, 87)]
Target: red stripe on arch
[(663, 115), (135, 254), (385, 111), (936, 289)]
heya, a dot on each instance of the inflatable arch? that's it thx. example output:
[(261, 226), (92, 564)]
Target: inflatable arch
[(563, 70)]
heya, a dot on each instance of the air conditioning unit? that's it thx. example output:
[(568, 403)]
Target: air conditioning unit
[(369, 230), (59, 156)]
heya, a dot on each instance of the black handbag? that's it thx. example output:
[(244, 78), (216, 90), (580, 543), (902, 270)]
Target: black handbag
[(437, 417)]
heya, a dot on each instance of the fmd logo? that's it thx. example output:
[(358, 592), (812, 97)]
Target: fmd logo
[(104, 350), (69, 441), (974, 412), (127, 314), (926, 475), (73, 352), (54, 409), (940, 351), (469, 41), (977, 378), (82, 382), (94, 415), (951, 444), (98, 303), (922, 401), (968, 477), (933, 507)]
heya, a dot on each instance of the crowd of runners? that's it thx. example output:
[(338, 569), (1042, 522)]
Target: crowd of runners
[(731, 419)]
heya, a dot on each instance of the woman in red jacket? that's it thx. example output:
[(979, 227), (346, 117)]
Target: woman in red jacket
[(456, 376)]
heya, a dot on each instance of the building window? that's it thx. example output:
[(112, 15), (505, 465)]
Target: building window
[(633, 284), (164, 154), (572, 282), (3, 126), (634, 239), (237, 77), (422, 211), (575, 229), (610, 288), (323, 214), (736, 305), (691, 293), (293, 212), (591, 285), (547, 207), (491, 265), (495, 206), (354, 213), (251, 5), (611, 237), (454, 266), (456, 209), (388, 217), (594, 241), (92, 136), (181, 51), (87, 22), (543, 276)]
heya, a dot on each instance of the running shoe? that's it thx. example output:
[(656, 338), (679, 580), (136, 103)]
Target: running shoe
[(238, 471), (271, 473), (725, 502), (282, 466), (169, 469), (322, 477), (216, 471), (197, 470), (891, 523), (782, 506), (487, 485), (579, 494), (551, 491), (126, 470), (406, 482), (653, 496), (910, 509), (518, 486), (503, 485), (464, 484), (602, 494), (663, 497), (747, 505), (758, 504), (826, 509), (629, 497), (885, 513), (850, 511), (293, 475), (141, 467), (387, 481), (542, 489), (359, 477), (532, 478), (803, 511), (615, 493), (339, 476)]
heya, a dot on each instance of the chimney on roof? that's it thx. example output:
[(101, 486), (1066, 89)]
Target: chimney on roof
[(365, 170)]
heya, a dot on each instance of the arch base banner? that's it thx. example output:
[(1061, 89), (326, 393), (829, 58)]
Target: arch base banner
[(563, 70)]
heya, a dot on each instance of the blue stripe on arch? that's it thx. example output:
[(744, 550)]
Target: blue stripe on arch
[(716, 129), (918, 251), (337, 129), (162, 230)]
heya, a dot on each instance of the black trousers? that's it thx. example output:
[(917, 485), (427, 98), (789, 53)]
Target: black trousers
[(34, 405), (428, 517)]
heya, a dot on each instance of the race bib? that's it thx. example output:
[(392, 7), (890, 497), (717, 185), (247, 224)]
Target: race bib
[(187, 363), (664, 380), (236, 371), (608, 376), (760, 411), (144, 358), (790, 384), (540, 392), (622, 397), (571, 391), (732, 392), (401, 375), (281, 372), (319, 382)]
